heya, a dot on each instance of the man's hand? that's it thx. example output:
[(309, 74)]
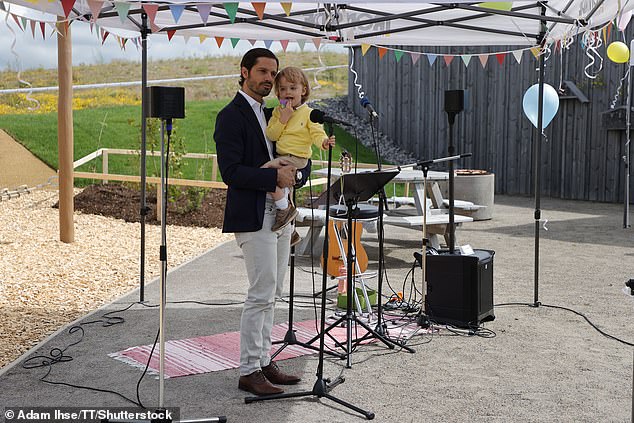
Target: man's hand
[(286, 176)]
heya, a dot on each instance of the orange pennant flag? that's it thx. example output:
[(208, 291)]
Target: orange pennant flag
[(259, 9), (219, 40), (287, 8), (364, 48), (382, 51)]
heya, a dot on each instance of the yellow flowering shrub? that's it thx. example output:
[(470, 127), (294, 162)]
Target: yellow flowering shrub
[(19, 104)]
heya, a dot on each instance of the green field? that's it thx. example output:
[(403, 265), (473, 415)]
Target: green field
[(119, 127)]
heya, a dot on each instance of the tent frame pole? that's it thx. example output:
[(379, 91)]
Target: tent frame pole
[(143, 207), (537, 150)]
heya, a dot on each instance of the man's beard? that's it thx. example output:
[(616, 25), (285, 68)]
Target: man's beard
[(260, 89)]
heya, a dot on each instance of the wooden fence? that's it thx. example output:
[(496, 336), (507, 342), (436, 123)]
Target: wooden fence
[(581, 159)]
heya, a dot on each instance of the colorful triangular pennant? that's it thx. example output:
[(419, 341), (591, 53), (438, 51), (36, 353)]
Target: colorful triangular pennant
[(177, 11), (234, 42), (232, 10), (219, 41), (518, 55), (252, 42), (484, 58), (287, 8), (259, 9), (415, 57), (170, 34), (284, 44), (267, 43), (122, 10), (67, 5), (95, 8), (364, 49), (431, 58), (398, 54), (317, 42), (466, 58), (203, 11), (500, 57), (301, 44), (382, 51), (448, 58)]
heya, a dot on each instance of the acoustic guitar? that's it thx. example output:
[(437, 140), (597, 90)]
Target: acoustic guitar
[(335, 261)]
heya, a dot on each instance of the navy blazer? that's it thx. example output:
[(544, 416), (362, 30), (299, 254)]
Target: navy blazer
[(241, 150)]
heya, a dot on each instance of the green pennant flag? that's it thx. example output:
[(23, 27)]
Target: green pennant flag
[(234, 41), (398, 54), (232, 10), (301, 43), (122, 10)]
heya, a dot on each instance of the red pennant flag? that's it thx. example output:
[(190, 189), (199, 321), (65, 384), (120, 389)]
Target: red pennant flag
[(105, 35), (500, 57), (42, 26), (151, 10), (284, 44), (382, 51), (448, 59), (68, 6), (32, 28), (259, 9), (170, 34), (219, 40), (15, 18)]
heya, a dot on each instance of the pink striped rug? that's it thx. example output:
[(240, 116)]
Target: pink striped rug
[(211, 353)]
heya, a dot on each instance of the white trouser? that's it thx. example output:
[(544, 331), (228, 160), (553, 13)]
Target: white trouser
[(266, 256)]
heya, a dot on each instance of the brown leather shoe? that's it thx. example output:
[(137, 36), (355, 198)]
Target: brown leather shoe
[(275, 375), (257, 384)]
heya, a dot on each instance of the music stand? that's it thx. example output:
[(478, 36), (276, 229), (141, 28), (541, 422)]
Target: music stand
[(353, 188)]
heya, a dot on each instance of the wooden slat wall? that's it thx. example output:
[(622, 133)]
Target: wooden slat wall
[(580, 159)]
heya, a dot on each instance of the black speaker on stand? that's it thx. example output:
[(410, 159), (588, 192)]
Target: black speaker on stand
[(459, 284)]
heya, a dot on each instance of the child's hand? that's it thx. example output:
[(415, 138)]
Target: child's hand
[(328, 142), (286, 111)]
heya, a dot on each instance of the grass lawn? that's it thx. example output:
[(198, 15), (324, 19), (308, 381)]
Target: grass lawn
[(119, 127)]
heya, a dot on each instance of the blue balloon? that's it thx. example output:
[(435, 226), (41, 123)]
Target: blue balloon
[(531, 104)]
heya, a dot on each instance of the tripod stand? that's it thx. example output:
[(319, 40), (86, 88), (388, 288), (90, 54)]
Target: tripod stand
[(322, 386), (290, 338)]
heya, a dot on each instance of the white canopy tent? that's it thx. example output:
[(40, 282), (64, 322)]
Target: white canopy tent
[(446, 23)]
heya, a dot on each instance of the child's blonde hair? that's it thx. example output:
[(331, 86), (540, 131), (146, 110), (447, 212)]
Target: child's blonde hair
[(295, 75)]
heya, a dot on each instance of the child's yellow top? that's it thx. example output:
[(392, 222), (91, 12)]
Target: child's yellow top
[(297, 135)]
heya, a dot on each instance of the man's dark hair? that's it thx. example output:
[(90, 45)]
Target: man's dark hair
[(252, 56)]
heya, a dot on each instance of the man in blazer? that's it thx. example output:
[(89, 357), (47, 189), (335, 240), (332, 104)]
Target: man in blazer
[(242, 148)]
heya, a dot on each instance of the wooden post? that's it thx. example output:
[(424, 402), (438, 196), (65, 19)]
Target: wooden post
[(104, 164), (65, 131)]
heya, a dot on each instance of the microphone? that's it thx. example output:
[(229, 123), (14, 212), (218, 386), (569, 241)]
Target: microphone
[(318, 116), (368, 106)]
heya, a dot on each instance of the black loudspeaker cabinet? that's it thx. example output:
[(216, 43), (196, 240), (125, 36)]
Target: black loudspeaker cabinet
[(460, 288), (166, 102)]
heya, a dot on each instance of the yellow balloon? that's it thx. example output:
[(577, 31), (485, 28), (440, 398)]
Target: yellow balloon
[(618, 52)]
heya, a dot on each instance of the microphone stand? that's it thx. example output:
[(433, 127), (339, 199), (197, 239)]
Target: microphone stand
[(381, 327), (322, 386), (422, 319)]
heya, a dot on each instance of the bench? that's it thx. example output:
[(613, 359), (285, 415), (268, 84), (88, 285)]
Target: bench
[(437, 224)]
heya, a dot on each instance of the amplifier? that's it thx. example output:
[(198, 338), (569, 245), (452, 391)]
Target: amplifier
[(460, 288)]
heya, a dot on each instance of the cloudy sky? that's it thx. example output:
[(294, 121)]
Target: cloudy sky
[(37, 52)]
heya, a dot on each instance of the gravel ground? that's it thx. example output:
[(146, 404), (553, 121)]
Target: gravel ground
[(45, 283)]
